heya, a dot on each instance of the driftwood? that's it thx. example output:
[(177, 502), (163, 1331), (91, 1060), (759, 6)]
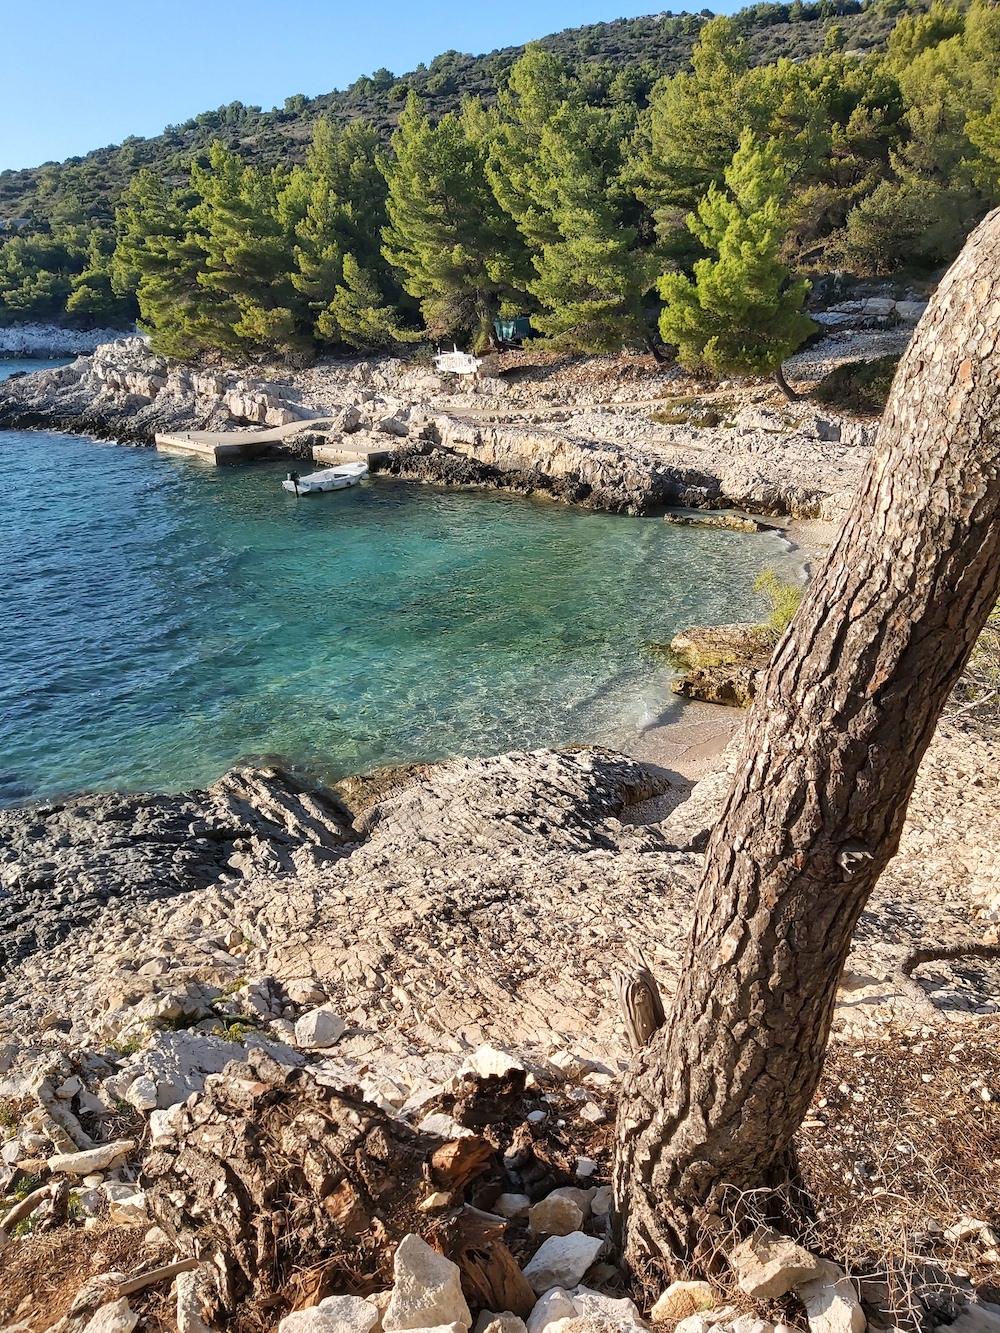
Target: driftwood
[(491, 1278), (641, 1005)]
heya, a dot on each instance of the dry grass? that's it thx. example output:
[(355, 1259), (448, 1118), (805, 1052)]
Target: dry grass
[(902, 1143), (41, 1275)]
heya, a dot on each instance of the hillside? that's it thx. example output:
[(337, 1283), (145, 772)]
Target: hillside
[(646, 47)]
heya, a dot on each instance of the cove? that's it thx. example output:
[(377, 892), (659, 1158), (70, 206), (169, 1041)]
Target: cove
[(162, 619)]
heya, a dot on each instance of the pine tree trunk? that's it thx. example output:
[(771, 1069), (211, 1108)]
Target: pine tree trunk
[(784, 386), (833, 745)]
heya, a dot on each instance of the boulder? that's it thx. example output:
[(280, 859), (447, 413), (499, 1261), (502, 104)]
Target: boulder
[(427, 1291), (393, 426), (555, 1216), (115, 1317), (555, 1305), (974, 1318), (682, 1299), (319, 1029), (831, 1302), (561, 1261), (335, 1314), (769, 1264)]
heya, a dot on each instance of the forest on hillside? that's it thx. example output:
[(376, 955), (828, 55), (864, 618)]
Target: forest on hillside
[(692, 168)]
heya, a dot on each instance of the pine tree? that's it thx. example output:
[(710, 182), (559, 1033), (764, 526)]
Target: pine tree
[(455, 249), (344, 216), (741, 314), (555, 164), (159, 256), (248, 219)]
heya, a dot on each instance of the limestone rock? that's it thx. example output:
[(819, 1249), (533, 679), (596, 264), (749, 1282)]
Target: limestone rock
[(694, 1323), (94, 1159), (974, 1319), (190, 1310), (393, 426), (555, 1216), (511, 1205), (603, 1201), (561, 1261), (831, 1302), (319, 1029), (427, 1290), (556, 1304), (769, 1264), (579, 1196), (115, 1317), (488, 1060), (334, 1314), (682, 1299), (488, 1322), (607, 1310)]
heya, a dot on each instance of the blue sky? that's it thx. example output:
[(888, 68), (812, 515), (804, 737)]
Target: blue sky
[(83, 75)]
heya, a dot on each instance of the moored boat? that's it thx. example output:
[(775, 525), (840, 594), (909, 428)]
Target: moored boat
[(328, 479)]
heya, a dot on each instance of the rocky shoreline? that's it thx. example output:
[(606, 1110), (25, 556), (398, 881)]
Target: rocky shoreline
[(48, 341), (584, 432)]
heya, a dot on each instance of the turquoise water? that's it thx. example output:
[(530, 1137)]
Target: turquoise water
[(162, 619), (11, 366)]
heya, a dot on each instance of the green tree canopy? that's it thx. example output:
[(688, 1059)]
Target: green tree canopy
[(740, 313)]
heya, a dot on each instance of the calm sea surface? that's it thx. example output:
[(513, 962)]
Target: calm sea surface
[(160, 619)]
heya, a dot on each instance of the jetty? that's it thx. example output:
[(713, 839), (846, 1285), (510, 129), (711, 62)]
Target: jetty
[(241, 446), (232, 446)]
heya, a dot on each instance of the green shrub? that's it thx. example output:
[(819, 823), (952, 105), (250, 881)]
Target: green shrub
[(858, 386), (784, 598)]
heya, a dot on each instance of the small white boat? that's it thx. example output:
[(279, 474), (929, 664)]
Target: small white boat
[(329, 479)]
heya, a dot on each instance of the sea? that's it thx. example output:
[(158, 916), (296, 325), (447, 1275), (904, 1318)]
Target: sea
[(161, 619)]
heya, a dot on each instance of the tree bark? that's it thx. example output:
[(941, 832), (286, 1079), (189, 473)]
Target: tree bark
[(784, 386), (833, 744)]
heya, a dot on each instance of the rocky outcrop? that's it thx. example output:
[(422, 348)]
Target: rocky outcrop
[(51, 340), (614, 454), (63, 862), (722, 662)]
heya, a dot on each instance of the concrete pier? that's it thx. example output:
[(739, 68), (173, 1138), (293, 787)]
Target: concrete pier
[(231, 446)]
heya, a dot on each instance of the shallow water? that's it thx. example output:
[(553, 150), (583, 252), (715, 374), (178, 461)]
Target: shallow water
[(162, 619)]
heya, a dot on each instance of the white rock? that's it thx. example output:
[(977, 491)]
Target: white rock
[(555, 1217), (593, 1114), (488, 1322), (561, 1261), (585, 1167), (556, 1304), (832, 1304), (393, 426), (161, 1128), (511, 1205), (694, 1323), (427, 1290), (769, 1264), (115, 1317), (319, 1029), (335, 1314), (682, 1299), (190, 1310), (142, 1093), (444, 1126), (603, 1201), (490, 1060), (606, 1309), (746, 1323), (579, 1196), (68, 1090), (94, 1159), (130, 1211)]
